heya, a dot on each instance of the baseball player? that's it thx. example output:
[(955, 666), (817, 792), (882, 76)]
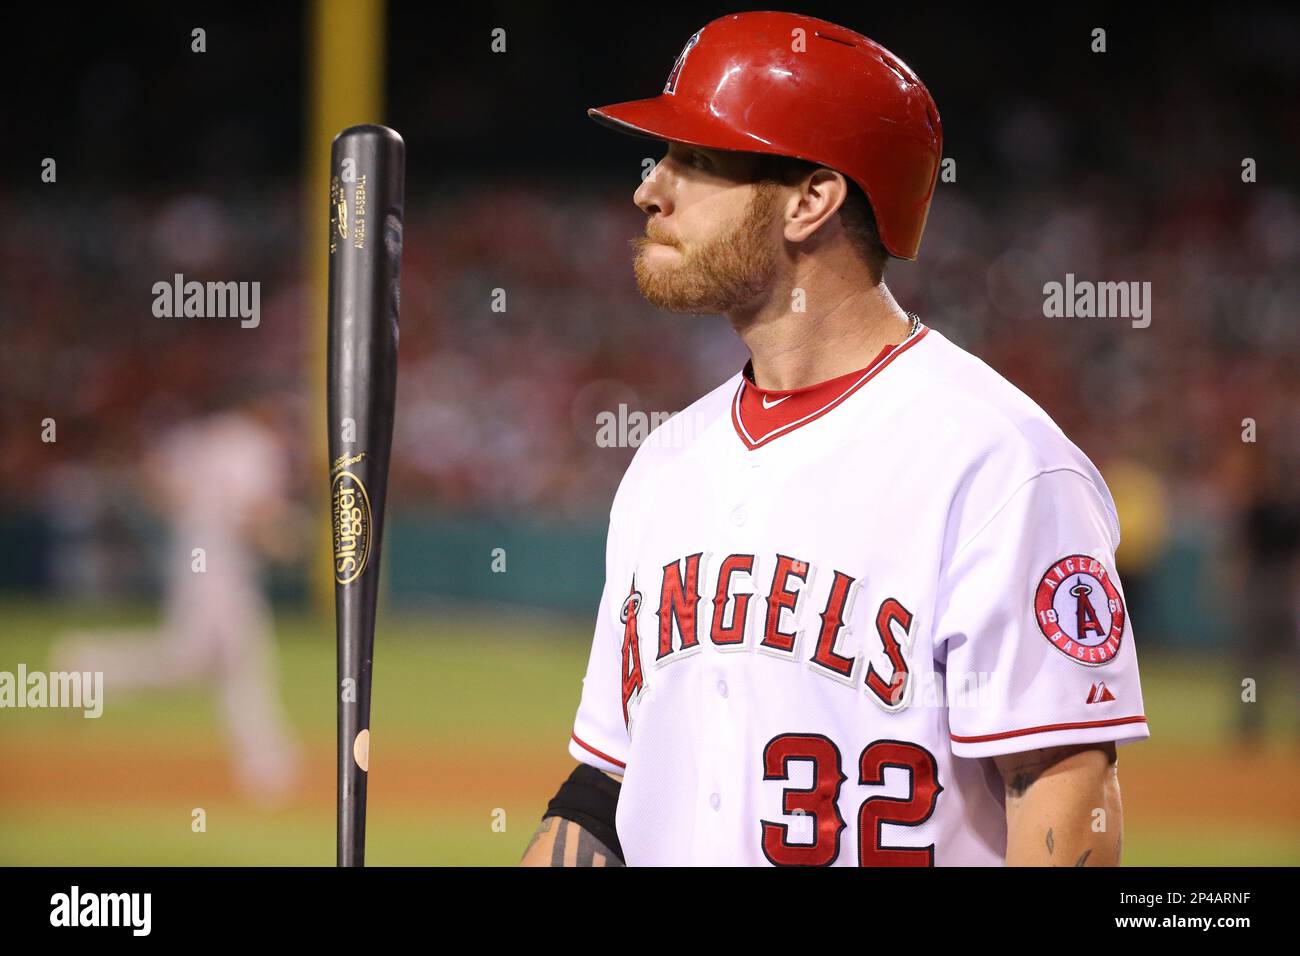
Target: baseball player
[(222, 483), (860, 606)]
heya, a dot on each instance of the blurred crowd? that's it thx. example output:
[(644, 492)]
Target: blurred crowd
[(521, 324)]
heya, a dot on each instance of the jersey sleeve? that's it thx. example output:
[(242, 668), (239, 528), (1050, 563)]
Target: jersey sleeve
[(599, 732), (1031, 627)]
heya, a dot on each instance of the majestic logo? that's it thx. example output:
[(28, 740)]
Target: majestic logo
[(1099, 694), (1079, 609), (352, 527), (671, 85)]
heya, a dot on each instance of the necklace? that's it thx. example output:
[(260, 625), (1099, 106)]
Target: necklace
[(916, 325)]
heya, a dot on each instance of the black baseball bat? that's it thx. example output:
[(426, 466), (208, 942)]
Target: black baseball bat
[(367, 186)]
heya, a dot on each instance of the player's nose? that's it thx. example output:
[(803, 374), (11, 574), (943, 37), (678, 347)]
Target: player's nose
[(652, 195)]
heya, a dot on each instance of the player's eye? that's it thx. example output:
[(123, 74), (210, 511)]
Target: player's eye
[(696, 159)]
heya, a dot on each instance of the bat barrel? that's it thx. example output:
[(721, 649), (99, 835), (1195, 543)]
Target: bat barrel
[(367, 173)]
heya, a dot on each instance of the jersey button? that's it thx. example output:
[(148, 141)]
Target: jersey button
[(715, 801), (722, 688), (738, 515)]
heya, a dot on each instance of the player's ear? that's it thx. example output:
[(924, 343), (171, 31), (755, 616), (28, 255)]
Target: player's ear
[(815, 200)]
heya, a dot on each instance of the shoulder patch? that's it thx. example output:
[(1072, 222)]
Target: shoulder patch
[(1080, 611)]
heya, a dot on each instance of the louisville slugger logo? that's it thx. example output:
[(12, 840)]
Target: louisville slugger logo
[(338, 213), (352, 527)]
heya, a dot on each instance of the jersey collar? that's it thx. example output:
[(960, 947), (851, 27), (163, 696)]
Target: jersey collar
[(761, 415)]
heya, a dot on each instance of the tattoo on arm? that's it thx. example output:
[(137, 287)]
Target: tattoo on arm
[(574, 846), (1021, 771), (1024, 776), (1081, 861), (1025, 812), (544, 828)]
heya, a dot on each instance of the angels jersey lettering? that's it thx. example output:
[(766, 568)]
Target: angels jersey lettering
[(826, 608)]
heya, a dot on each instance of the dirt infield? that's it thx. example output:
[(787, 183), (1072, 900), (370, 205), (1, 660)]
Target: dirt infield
[(78, 773), (1169, 787), (1173, 787)]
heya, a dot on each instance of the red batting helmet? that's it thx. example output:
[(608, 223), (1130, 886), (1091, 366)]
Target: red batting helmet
[(792, 85)]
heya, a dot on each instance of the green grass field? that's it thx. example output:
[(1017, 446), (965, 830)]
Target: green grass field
[(470, 722)]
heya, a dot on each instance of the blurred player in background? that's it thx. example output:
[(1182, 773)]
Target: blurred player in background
[(221, 483), (1264, 558)]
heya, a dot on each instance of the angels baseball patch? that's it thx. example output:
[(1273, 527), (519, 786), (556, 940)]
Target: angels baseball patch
[(1079, 609)]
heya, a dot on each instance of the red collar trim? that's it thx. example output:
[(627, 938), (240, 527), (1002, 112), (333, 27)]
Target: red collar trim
[(762, 415)]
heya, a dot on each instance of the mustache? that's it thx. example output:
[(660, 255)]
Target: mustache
[(653, 235), (640, 244)]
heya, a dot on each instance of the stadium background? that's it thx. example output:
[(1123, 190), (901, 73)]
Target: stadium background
[(1117, 166)]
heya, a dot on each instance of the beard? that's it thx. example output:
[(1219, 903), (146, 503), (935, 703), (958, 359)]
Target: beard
[(725, 274)]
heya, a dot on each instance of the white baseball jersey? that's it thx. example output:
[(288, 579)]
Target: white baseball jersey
[(824, 606), (218, 469)]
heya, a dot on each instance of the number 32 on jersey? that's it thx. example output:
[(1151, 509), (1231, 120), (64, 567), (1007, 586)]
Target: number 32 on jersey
[(820, 802)]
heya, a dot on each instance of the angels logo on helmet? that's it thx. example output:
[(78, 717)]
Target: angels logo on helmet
[(671, 85)]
